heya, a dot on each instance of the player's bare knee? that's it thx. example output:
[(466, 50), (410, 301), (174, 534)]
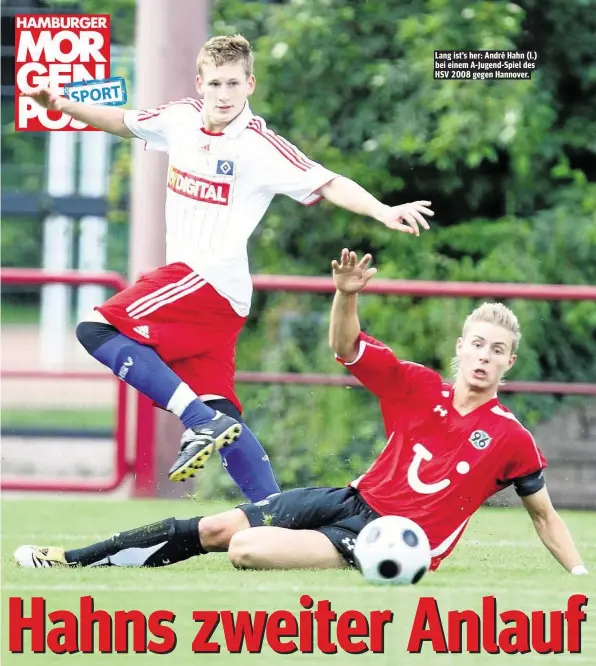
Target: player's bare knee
[(213, 531), (242, 551), (216, 532)]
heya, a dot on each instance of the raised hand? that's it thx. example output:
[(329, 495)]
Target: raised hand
[(349, 274)]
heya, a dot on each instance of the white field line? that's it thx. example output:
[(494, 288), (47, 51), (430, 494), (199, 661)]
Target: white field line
[(274, 588)]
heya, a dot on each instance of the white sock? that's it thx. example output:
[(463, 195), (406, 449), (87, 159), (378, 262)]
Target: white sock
[(181, 399)]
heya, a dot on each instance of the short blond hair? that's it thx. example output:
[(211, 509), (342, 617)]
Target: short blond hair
[(491, 313), (498, 314), (224, 50)]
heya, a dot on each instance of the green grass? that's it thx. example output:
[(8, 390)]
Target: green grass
[(21, 314), (74, 419), (12, 313), (500, 556)]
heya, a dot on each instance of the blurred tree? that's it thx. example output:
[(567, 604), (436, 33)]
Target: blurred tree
[(506, 164), (509, 166)]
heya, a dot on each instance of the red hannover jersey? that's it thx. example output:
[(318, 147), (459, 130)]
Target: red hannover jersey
[(438, 467)]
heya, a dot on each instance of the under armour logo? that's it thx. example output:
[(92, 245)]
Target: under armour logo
[(349, 543), (440, 410)]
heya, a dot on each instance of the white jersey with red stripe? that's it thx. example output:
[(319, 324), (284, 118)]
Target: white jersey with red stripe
[(219, 187), (438, 466)]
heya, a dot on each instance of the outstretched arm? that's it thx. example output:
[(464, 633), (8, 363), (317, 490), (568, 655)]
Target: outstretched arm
[(346, 193), (553, 532), (107, 118)]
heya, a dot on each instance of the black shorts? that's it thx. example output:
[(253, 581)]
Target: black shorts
[(338, 513)]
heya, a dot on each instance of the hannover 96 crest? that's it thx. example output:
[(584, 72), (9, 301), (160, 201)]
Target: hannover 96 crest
[(479, 439)]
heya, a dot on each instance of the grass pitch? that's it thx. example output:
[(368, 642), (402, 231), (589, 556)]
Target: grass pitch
[(500, 555)]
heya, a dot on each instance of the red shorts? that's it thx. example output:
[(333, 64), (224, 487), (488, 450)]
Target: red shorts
[(191, 326)]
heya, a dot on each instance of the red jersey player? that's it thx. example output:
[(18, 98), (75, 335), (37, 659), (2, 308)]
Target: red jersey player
[(450, 447), (172, 335)]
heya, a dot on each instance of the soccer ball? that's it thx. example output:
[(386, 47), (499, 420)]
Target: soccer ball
[(392, 550)]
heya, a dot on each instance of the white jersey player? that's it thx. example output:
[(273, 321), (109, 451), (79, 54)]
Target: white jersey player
[(172, 335), (220, 185)]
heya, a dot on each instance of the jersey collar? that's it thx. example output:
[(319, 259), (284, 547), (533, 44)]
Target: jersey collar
[(448, 391)]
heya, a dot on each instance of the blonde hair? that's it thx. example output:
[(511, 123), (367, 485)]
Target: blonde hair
[(224, 50), (491, 313)]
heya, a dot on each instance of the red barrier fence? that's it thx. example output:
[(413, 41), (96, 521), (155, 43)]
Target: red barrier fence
[(536, 292), (143, 466), (122, 467), (313, 379)]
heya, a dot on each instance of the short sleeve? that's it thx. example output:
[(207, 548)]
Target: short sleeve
[(382, 373), (527, 458), (289, 171), (155, 126), (151, 125)]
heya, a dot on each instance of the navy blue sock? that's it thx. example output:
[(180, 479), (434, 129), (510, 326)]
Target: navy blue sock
[(245, 460), (141, 367), (247, 463)]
